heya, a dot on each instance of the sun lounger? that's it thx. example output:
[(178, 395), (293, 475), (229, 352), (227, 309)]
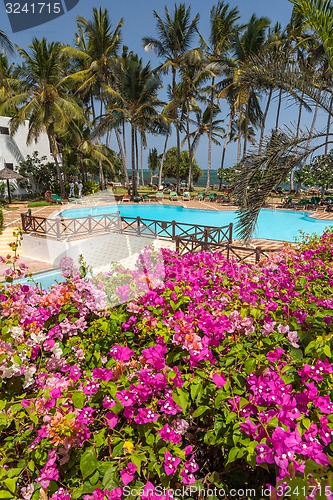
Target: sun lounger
[(126, 197), (57, 198), (186, 196), (173, 196), (159, 196), (212, 197), (200, 196)]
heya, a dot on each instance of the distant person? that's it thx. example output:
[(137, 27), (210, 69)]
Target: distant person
[(80, 187), (71, 189)]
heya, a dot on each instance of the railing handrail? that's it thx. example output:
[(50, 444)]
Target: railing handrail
[(199, 238)]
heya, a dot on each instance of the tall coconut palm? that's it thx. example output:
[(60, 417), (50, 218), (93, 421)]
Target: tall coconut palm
[(245, 98), (134, 101), (175, 35), (223, 28), (96, 48), (44, 99), (203, 126)]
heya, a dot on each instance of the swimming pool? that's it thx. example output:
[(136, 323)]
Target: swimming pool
[(277, 224), (45, 279)]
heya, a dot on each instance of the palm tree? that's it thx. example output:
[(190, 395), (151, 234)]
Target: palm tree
[(95, 52), (153, 162), (223, 28), (44, 99), (175, 35), (134, 101), (6, 45), (205, 126), (245, 98)]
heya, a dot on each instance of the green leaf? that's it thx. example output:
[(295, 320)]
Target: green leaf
[(136, 461), (250, 365), (11, 484), (78, 399), (327, 351), (232, 455), (88, 463), (181, 398), (296, 354), (199, 411), (6, 494), (109, 479)]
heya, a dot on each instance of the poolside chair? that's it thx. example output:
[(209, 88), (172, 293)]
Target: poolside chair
[(173, 196), (200, 196), (145, 197), (186, 196), (126, 197), (212, 197), (57, 198), (223, 199), (137, 199), (159, 196)]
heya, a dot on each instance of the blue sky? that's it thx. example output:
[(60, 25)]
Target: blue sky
[(138, 22)]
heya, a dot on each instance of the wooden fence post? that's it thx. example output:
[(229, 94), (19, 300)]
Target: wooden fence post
[(58, 228), (258, 254), (138, 224)]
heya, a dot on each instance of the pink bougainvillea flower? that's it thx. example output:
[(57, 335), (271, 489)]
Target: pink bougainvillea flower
[(127, 475), (121, 353), (170, 463), (219, 380)]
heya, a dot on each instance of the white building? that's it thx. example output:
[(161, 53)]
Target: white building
[(14, 149)]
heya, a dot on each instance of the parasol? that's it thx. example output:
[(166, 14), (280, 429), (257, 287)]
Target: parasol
[(6, 174)]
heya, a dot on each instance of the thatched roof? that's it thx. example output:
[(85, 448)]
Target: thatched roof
[(7, 173)]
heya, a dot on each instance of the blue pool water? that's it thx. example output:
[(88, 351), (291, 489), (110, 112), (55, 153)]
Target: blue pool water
[(272, 224), (45, 279)]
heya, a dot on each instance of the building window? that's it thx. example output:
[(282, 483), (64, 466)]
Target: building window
[(9, 165), (4, 130)]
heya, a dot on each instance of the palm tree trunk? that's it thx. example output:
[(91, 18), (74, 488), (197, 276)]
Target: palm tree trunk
[(246, 128), (174, 96), (123, 156), (210, 133), (190, 162), (328, 125), (226, 140), (141, 160), (134, 185), (264, 118), (278, 111), (137, 158), (292, 173), (162, 161), (54, 152)]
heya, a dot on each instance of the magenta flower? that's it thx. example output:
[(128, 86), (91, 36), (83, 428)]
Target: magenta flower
[(275, 355), (168, 434), (111, 419), (121, 353), (219, 380), (146, 415), (125, 398), (154, 356), (170, 463), (127, 475), (102, 374)]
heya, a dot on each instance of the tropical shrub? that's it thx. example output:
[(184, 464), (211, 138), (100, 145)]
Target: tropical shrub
[(90, 187), (218, 377)]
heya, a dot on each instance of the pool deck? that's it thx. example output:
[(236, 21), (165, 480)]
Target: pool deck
[(12, 220)]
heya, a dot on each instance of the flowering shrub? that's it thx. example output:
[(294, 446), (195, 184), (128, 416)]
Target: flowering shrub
[(220, 376)]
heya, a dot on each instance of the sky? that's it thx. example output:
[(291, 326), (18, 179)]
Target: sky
[(139, 21)]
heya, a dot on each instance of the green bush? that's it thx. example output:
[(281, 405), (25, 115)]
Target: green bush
[(90, 187)]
